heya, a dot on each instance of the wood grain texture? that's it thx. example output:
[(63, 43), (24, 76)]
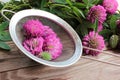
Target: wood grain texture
[(14, 53), (40, 72), (14, 65), (14, 59), (82, 70)]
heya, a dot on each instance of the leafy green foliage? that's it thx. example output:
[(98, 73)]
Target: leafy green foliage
[(4, 46), (105, 25), (1, 6), (82, 29), (110, 26), (118, 16), (78, 12), (113, 22), (100, 2), (4, 25), (46, 56), (96, 25), (68, 9), (79, 5), (4, 35), (90, 3), (14, 6), (43, 4), (69, 2), (106, 33), (59, 1), (38, 4)]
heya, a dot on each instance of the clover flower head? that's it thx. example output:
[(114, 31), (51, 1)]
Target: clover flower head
[(53, 45), (97, 12), (93, 40), (34, 45), (110, 5), (33, 28), (40, 38), (48, 31)]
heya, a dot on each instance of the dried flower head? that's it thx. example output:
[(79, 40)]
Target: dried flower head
[(48, 31), (97, 12), (41, 38), (110, 5), (93, 40), (33, 28), (34, 45), (53, 45)]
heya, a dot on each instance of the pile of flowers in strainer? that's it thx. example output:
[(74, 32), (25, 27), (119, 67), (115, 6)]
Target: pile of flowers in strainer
[(41, 40)]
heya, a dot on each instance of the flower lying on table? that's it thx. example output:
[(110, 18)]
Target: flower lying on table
[(93, 40), (41, 40)]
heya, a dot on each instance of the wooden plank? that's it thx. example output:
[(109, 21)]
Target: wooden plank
[(80, 71), (84, 69), (15, 59), (17, 63), (14, 53), (12, 63)]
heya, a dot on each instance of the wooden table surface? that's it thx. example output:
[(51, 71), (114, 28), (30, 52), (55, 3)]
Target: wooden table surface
[(14, 65)]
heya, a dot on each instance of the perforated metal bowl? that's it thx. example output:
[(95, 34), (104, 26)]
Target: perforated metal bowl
[(72, 47)]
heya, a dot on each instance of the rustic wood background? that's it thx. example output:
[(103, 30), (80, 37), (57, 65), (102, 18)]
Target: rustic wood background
[(14, 65)]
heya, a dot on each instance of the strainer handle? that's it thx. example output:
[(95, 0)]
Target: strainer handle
[(2, 13)]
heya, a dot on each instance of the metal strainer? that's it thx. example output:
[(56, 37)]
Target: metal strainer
[(72, 46)]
